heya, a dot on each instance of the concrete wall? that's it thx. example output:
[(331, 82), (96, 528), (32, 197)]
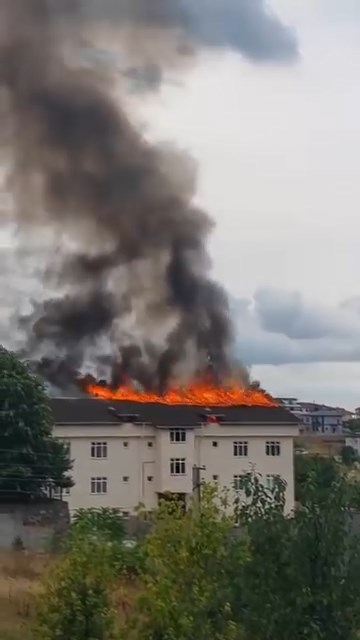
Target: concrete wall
[(34, 523)]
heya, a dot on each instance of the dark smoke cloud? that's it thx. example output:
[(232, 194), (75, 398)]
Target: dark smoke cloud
[(131, 270)]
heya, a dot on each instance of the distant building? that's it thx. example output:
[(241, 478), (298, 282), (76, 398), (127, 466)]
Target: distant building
[(317, 418), (325, 420), (299, 409)]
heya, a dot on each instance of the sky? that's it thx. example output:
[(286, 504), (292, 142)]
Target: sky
[(277, 147), (278, 153)]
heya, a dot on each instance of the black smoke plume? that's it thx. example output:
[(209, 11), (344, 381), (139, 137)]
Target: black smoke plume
[(131, 272)]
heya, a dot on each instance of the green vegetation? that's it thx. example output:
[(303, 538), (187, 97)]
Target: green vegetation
[(105, 527), (217, 571), (31, 459), (191, 564), (76, 602), (245, 573)]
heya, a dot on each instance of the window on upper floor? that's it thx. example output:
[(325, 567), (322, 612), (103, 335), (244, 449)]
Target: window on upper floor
[(150, 478), (125, 479), (215, 443), (98, 485), (125, 444), (240, 448), (270, 481), (177, 435), (99, 450), (215, 477), (150, 444), (272, 448), (238, 481), (177, 466)]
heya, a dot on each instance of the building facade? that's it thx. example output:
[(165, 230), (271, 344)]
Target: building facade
[(315, 418), (128, 455)]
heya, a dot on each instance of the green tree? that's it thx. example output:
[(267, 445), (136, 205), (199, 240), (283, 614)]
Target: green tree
[(349, 456), (327, 561), (353, 425), (104, 523), (76, 599), (191, 562), (31, 459), (268, 589), (302, 577), (323, 469)]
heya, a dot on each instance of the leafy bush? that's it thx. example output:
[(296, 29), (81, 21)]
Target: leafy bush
[(105, 526), (76, 601)]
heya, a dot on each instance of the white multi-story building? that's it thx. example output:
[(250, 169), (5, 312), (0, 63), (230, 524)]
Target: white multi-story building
[(126, 454)]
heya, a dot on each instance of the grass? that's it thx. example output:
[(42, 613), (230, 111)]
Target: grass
[(20, 576)]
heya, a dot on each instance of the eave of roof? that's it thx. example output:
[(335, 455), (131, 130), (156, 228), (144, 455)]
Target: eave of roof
[(91, 411)]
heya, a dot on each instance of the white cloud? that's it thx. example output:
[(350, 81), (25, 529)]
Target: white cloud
[(333, 384), (277, 327)]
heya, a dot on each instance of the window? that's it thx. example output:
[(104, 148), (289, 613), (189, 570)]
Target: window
[(240, 448), (177, 466), (98, 485), (215, 443), (215, 477), (125, 444), (99, 450), (58, 492), (150, 444), (125, 478), (270, 482), (150, 478), (272, 448), (125, 514), (67, 446), (238, 482), (177, 435)]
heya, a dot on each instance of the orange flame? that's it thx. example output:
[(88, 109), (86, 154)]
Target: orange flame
[(197, 394)]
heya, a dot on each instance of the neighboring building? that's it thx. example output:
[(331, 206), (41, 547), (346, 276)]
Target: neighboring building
[(130, 453), (299, 409), (317, 418), (325, 420)]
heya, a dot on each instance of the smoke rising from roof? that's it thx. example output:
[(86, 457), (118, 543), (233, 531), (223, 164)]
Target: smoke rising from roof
[(131, 271)]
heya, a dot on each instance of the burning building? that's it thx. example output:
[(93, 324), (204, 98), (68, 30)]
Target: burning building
[(128, 452), (127, 291), (109, 226)]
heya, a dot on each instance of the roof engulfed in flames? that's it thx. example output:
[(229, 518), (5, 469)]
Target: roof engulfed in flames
[(197, 394)]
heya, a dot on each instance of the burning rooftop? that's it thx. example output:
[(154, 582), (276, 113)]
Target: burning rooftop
[(197, 394), (96, 411)]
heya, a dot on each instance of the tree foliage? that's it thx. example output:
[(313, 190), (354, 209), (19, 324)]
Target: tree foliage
[(260, 574), (353, 425), (31, 459), (349, 456), (301, 581), (191, 564), (76, 600), (105, 525)]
